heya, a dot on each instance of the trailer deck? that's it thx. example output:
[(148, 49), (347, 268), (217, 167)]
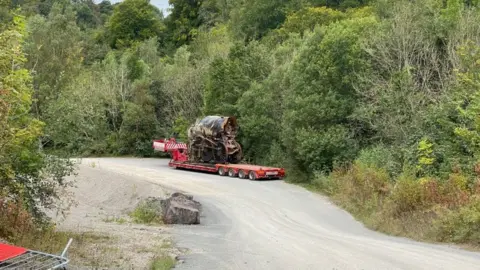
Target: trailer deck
[(193, 166), (178, 152)]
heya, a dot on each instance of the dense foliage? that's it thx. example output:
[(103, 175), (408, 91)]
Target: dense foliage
[(373, 102), (29, 178)]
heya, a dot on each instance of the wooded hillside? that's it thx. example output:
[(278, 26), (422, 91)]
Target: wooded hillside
[(374, 103)]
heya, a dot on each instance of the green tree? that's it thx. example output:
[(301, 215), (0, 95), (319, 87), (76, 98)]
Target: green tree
[(467, 99), (139, 125), (342, 4), (132, 21), (254, 18), (182, 23), (308, 18), (26, 173), (54, 52), (215, 11), (261, 108), (77, 122), (321, 97), (229, 78), (88, 15), (181, 88)]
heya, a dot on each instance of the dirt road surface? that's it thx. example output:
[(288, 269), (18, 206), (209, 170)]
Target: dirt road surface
[(105, 237), (275, 225)]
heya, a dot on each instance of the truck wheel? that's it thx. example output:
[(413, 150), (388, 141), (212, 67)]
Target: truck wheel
[(252, 175), (221, 171), (231, 173), (241, 174)]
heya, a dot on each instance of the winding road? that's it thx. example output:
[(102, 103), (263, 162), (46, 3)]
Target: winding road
[(275, 225)]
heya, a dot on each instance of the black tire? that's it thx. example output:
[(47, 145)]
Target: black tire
[(231, 173), (221, 171), (241, 174), (252, 175)]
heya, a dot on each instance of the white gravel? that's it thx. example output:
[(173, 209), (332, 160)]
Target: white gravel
[(272, 225), (104, 200)]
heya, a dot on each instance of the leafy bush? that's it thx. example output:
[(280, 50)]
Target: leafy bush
[(162, 262), (145, 213), (14, 219), (325, 183), (359, 188), (32, 180), (460, 225), (138, 129), (380, 156), (408, 195)]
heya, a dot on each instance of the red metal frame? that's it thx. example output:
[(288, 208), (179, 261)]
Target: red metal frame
[(179, 159), (14, 257), (260, 172), (8, 251)]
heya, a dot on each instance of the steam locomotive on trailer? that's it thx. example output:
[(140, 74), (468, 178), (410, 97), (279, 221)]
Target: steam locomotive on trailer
[(213, 140), (212, 147)]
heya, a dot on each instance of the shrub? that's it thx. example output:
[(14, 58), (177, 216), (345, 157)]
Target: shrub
[(379, 156), (408, 195), (460, 225), (146, 214), (162, 262), (325, 183), (455, 190), (359, 188), (14, 219)]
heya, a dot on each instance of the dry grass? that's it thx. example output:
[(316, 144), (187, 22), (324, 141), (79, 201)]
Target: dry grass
[(422, 209), (118, 220), (162, 260), (88, 249)]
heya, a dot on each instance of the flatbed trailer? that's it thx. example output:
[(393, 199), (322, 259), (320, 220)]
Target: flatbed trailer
[(179, 160)]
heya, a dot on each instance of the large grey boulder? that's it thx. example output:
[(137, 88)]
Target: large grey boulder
[(179, 208)]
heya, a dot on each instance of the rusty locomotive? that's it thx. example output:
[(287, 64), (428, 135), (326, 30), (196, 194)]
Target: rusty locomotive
[(213, 140)]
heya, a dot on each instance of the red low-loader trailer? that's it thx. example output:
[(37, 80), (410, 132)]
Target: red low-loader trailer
[(179, 160)]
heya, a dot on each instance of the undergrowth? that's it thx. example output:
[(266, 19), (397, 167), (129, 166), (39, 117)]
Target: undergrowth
[(162, 262), (146, 214), (18, 227), (427, 209)]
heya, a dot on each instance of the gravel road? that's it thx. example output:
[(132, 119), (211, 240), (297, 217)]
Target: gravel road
[(275, 225)]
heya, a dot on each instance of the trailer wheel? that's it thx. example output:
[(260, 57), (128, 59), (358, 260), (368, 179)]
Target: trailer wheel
[(241, 174), (221, 171), (231, 173), (252, 175)]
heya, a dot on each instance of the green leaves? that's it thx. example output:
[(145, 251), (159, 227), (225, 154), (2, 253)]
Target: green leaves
[(321, 96), (133, 21), (229, 78), (54, 50), (183, 21), (308, 18), (467, 98), (25, 173)]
